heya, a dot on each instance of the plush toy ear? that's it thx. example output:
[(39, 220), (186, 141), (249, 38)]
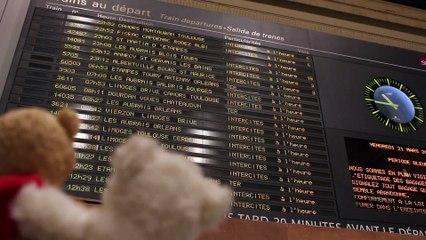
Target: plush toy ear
[(69, 121), (134, 154)]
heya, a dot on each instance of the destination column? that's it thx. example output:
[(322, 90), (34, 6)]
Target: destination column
[(121, 85)]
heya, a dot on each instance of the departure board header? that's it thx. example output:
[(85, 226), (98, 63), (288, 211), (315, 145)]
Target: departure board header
[(178, 16), (234, 28), (292, 123)]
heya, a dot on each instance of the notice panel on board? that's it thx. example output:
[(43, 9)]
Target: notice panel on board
[(293, 125)]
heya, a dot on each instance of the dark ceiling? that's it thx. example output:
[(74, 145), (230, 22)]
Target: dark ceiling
[(353, 17), (413, 3)]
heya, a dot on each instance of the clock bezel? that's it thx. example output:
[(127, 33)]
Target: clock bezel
[(411, 126)]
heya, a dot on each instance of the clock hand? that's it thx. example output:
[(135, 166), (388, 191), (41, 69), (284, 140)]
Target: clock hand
[(383, 103), (395, 106)]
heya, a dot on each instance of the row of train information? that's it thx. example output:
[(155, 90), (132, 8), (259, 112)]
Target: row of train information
[(248, 114)]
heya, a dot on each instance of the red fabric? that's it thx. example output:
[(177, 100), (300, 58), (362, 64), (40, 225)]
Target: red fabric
[(9, 188)]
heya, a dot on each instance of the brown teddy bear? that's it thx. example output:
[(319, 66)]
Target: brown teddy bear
[(35, 147), (152, 193)]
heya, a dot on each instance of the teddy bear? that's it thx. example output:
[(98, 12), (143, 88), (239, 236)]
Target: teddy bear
[(35, 147), (151, 194)]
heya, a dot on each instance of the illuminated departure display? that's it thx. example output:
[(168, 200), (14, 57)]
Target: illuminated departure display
[(248, 114), (387, 176), (284, 116)]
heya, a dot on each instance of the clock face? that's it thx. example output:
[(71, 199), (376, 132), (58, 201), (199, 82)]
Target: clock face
[(393, 104)]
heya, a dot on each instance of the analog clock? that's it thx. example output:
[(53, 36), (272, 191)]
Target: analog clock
[(393, 104)]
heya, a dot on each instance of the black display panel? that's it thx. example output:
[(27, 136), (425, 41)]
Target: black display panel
[(275, 112), (387, 176)]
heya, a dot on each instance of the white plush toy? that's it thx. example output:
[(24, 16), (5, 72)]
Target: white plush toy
[(152, 194)]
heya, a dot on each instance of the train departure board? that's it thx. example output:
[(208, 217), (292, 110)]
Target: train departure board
[(305, 127)]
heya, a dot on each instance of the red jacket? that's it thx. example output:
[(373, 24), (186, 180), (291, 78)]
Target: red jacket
[(10, 185)]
